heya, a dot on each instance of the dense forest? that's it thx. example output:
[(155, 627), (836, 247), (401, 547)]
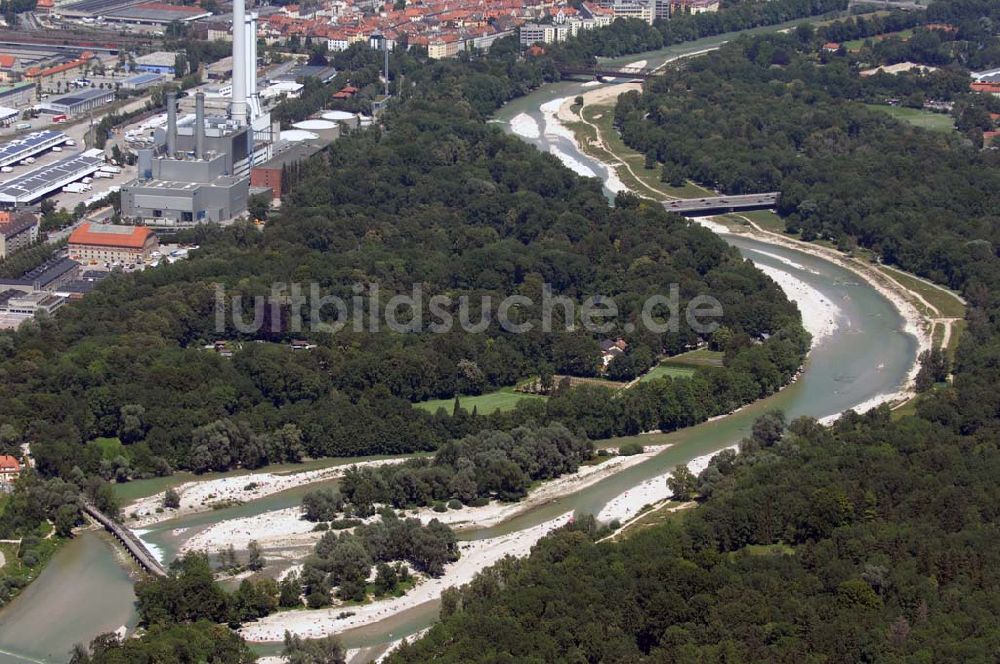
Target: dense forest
[(439, 199), (870, 541), (768, 114)]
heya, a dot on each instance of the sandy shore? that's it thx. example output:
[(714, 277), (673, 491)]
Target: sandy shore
[(199, 495), (820, 315), (475, 557), (271, 529), (915, 323), (654, 490), (286, 528)]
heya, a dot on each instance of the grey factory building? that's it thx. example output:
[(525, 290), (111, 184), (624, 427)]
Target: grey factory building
[(199, 170), (75, 103), (196, 180)]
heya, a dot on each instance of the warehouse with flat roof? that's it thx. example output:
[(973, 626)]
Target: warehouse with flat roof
[(75, 103), (30, 187), (30, 145)]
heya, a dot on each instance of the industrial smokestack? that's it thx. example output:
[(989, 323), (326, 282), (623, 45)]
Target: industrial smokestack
[(238, 109), (171, 124), (199, 125)]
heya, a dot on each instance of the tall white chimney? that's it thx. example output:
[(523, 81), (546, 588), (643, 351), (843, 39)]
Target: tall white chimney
[(253, 101), (238, 109)]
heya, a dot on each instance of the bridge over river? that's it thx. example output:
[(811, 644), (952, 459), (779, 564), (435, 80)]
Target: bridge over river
[(605, 71), (146, 560), (698, 207)]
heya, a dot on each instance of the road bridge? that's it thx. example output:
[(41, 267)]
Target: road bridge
[(128, 539), (698, 207), (604, 71)]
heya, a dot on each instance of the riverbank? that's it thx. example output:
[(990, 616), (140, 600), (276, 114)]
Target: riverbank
[(819, 314), (476, 556), (916, 323), (286, 528), (200, 496)]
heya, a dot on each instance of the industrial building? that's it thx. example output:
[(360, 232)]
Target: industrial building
[(18, 95), (48, 276), (17, 307), (141, 81), (160, 62), (274, 173), (77, 103), (108, 243), (198, 169), (29, 187), (155, 13), (131, 12), (17, 231), (30, 145)]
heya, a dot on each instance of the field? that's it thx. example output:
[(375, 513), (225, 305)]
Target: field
[(503, 399), (855, 44), (645, 182), (666, 369), (919, 118), (701, 357), (941, 299)]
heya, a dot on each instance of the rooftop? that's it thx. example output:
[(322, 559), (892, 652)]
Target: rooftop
[(110, 235), (28, 187)]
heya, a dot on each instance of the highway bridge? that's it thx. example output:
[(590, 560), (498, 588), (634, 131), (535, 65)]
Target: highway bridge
[(699, 207), (604, 71), (127, 538)]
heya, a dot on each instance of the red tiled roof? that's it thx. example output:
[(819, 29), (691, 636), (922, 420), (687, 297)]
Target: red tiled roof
[(136, 239), (985, 87), (9, 464), (7, 60)]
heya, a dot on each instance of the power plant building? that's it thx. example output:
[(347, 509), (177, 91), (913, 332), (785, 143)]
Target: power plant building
[(199, 170)]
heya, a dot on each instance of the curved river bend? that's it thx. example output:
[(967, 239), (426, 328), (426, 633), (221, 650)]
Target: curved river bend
[(85, 590)]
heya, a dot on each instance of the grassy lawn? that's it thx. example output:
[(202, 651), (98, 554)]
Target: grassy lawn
[(855, 44), (943, 300), (645, 182), (671, 510), (701, 357), (109, 447), (503, 399), (667, 370), (766, 219), (957, 328), (918, 117)]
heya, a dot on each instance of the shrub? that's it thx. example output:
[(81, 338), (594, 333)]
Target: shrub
[(630, 449)]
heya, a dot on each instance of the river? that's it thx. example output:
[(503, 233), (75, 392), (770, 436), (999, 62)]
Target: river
[(85, 591)]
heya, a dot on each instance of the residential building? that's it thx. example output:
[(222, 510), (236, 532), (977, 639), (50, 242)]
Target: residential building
[(10, 470), (108, 243), (642, 10), (444, 46), (17, 231), (543, 33)]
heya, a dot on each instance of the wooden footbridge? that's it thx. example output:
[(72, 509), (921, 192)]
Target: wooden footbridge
[(146, 560)]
